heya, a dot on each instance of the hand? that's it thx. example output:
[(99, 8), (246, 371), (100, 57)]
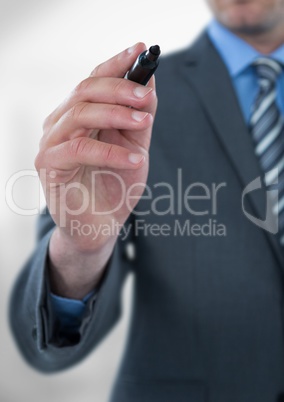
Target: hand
[(104, 124)]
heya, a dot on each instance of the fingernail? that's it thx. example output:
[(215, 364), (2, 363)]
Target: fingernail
[(131, 49), (136, 158), (139, 116), (141, 92)]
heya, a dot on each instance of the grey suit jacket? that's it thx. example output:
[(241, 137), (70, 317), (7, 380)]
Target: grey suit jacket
[(207, 318)]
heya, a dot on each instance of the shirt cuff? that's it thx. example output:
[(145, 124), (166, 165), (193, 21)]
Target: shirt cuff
[(69, 313)]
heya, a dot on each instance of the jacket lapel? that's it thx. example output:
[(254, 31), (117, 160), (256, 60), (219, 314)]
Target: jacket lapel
[(207, 74)]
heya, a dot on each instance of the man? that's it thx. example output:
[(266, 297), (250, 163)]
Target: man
[(207, 321)]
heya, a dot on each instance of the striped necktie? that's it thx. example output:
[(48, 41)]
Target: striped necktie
[(267, 128)]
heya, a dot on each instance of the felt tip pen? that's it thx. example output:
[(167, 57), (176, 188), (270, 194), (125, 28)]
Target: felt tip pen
[(144, 66)]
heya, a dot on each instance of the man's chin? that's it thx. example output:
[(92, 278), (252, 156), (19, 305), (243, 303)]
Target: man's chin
[(246, 25), (250, 29)]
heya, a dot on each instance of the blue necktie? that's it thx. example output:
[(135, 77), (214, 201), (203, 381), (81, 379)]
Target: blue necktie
[(267, 128)]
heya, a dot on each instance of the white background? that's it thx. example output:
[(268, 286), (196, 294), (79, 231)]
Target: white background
[(46, 48)]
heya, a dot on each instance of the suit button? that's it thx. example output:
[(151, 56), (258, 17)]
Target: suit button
[(34, 334), (130, 251)]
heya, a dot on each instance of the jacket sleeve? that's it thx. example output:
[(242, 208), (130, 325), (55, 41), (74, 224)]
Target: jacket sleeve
[(30, 313)]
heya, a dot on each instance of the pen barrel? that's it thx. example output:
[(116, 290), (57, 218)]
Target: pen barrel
[(143, 69)]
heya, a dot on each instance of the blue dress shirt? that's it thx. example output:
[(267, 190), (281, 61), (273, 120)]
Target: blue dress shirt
[(238, 57)]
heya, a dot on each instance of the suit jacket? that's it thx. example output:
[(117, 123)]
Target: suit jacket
[(207, 318)]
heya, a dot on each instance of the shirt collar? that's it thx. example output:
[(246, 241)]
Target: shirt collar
[(235, 52)]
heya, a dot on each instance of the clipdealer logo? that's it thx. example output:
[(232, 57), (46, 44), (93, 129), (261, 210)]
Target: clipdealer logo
[(176, 200), (271, 221)]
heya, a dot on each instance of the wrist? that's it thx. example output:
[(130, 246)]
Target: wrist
[(73, 270)]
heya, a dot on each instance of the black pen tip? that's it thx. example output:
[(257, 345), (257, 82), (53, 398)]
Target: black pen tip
[(155, 50)]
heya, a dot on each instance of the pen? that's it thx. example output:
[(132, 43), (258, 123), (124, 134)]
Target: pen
[(144, 66)]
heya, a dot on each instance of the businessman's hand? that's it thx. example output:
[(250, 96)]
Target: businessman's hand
[(104, 125)]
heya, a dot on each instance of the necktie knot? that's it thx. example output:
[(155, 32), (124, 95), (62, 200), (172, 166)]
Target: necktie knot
[(267, 70)]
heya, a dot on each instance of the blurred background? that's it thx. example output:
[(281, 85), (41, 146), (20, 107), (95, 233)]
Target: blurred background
[(47, 48)]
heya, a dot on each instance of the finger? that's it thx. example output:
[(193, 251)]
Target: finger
[(84, 117), (114, 91), (117, 67), (79, 152)]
